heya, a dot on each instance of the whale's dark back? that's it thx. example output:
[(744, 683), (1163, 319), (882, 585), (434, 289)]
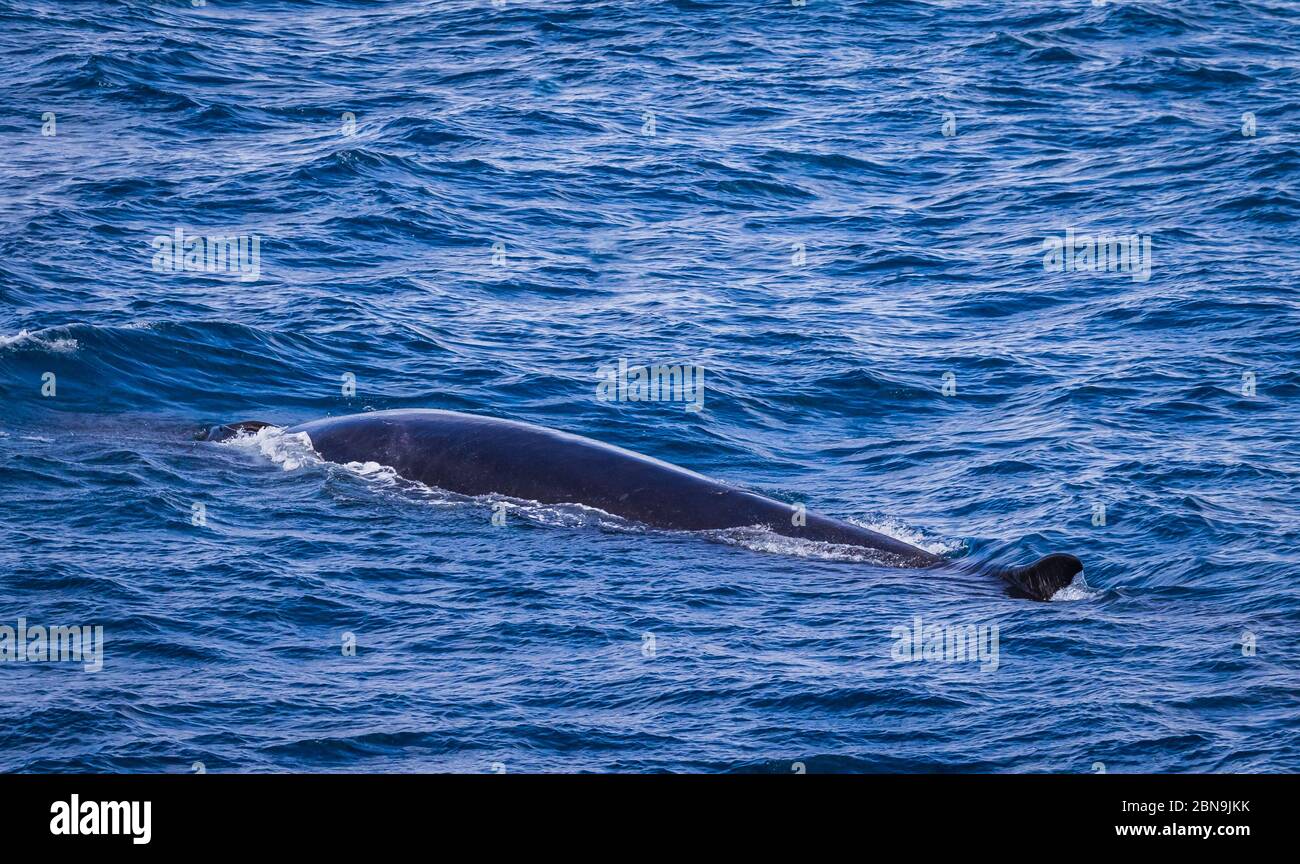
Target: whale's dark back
[(473, 455)]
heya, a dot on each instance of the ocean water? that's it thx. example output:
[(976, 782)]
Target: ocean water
[(841, 211)]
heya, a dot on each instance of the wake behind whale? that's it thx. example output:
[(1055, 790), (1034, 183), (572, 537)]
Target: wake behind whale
[(475, 455)]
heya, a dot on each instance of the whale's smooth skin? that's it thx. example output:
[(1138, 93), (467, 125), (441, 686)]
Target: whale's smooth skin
[(475, 455)]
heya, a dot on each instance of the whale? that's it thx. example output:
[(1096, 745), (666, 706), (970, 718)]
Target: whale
[(476, 455)]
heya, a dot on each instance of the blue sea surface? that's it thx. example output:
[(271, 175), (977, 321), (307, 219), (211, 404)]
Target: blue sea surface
[(842, 211)]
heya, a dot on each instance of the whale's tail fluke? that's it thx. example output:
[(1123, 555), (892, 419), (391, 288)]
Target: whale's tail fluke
[(1043, 578), (229, 430)]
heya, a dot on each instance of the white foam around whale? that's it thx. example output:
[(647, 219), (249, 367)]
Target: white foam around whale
[(1077, 590), (763, 539), (899, 531), (290, 452)]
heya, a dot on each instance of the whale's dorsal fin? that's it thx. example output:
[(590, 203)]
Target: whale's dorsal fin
[(1044, 577)]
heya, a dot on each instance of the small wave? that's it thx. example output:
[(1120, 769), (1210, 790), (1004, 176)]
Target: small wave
[(39, 341)]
